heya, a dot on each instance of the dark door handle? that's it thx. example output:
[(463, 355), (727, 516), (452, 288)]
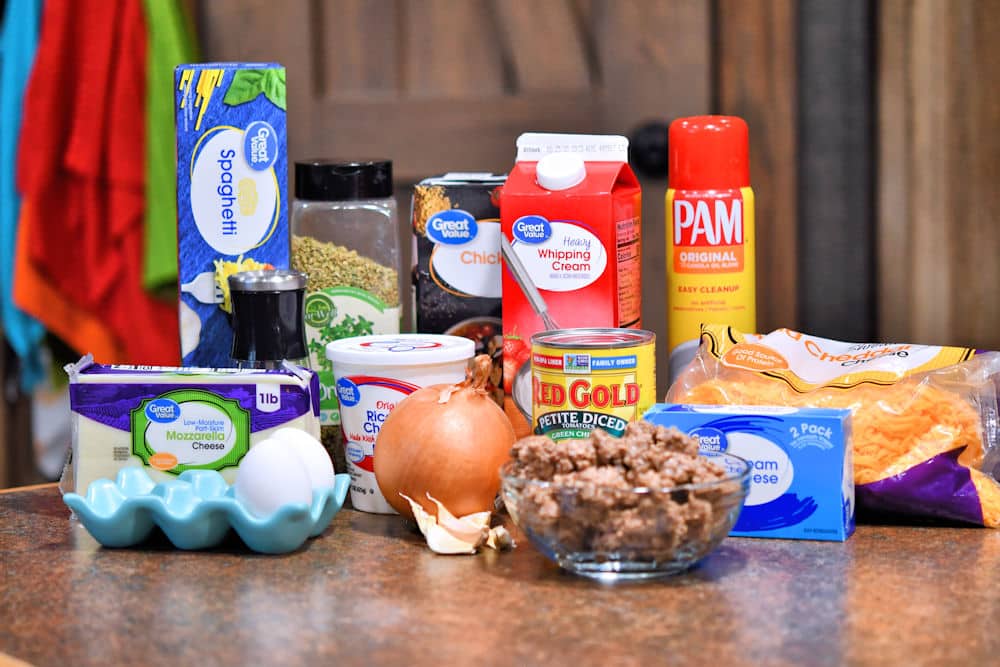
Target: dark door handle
[(648, 149)]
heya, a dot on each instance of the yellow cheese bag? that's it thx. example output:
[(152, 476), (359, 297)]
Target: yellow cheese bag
[(924, 417)]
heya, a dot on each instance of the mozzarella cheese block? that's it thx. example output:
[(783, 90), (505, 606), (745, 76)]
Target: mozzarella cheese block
[(168, 420)]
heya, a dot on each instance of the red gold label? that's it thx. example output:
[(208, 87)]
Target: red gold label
[(577, 390)]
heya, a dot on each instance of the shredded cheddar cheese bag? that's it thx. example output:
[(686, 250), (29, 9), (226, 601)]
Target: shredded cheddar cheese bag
[(925, 418)]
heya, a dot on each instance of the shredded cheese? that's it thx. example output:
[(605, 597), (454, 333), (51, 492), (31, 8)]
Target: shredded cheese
[(895, 427)]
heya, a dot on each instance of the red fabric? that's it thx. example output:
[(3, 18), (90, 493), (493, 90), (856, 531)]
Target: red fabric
[(81, 163), (34, 292)]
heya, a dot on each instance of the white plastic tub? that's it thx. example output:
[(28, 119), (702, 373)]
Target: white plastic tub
[(374, 373)]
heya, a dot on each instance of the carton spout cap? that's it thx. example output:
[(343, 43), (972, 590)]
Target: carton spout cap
[(560, 171)]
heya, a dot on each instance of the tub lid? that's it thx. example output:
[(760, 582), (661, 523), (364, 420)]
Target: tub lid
[(400, 349)]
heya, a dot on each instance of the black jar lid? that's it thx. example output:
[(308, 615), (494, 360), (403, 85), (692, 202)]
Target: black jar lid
[(338, 180)]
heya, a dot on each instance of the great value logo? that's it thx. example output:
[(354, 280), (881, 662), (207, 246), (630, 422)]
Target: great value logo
[(163, 411), (710, 440), (348, 393), (260, 145), (454, 227), (532, 229)]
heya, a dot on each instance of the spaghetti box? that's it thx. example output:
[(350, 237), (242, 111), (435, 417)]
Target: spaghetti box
[(802, 476), (232, 179)]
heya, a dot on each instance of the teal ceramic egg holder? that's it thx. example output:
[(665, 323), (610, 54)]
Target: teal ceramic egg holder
[(196, 511)]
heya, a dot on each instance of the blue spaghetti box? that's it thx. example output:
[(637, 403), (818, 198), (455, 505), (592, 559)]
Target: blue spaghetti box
[(232, 180), (802, 474)]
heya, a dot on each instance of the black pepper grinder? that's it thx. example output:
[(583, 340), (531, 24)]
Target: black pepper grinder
[(268, 318)]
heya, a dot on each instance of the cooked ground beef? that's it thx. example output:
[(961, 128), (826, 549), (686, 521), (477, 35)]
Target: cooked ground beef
[(591, 503)]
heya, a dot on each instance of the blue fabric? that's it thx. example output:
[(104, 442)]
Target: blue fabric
[(18, 43)]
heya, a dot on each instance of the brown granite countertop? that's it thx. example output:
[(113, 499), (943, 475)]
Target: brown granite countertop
[(369, 592)]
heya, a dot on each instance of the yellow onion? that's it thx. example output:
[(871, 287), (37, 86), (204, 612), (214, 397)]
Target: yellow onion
[(447, 441)]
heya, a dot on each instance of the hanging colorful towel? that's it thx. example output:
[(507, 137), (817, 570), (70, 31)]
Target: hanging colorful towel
[(170, 44), (81, 164), (18, 43)]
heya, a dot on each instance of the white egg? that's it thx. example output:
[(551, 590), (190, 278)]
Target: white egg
[(269, 476), (313, 455)]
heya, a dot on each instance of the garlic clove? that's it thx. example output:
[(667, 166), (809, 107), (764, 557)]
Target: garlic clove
[(438, 539), (448, 534), (424, 520), (499, 538), (442, 542), (471, 528)]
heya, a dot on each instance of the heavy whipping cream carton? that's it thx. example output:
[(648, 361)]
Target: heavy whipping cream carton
[(168, 420), (232, 179), (570, 217), (802, 476)]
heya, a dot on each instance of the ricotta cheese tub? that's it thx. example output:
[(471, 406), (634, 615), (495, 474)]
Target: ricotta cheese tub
[(374, 373), (168, 420)]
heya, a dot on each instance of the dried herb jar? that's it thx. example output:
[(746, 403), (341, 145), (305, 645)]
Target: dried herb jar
[(345, 236)]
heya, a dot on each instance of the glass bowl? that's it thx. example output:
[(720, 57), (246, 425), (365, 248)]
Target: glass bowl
[(610, 533)]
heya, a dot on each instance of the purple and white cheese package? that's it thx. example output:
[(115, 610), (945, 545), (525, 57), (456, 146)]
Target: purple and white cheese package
[(168, 420)]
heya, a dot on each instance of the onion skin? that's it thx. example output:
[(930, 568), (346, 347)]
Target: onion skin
[(452, 450)]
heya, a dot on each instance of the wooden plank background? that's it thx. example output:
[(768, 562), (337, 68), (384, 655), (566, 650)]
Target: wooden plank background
[(939, 163), (17, 465), (756, 79), (835, 165)]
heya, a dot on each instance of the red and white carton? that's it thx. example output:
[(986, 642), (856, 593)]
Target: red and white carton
[(570, 217)]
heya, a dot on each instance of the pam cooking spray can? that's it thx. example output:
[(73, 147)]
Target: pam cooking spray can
[(710, 232)]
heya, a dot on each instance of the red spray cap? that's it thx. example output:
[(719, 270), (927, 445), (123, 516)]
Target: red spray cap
[(709, 153)]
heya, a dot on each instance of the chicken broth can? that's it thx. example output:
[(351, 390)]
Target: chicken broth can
[(584, 379)]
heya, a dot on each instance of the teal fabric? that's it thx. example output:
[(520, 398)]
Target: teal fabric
[(18, 43)]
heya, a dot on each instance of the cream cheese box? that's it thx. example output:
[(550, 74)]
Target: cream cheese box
[(168, 420), (802, 473)]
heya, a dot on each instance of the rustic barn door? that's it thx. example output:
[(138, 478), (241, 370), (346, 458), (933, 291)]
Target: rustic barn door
[(447, 85), (939, 163)]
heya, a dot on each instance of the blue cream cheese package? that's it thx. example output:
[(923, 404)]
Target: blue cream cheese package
[(169, 420), (802, 480), (232, 179)]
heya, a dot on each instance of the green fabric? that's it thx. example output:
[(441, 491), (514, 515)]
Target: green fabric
[(170, 43)]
